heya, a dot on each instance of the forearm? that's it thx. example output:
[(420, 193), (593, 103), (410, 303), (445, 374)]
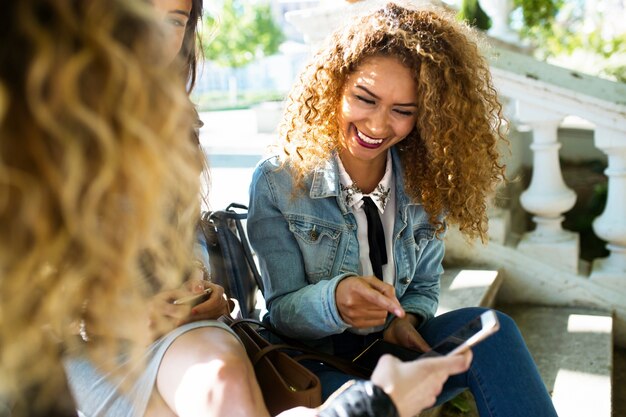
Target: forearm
[(310, 312)]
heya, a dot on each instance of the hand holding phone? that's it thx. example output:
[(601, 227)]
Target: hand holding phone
[(463, 339), (195, 299)]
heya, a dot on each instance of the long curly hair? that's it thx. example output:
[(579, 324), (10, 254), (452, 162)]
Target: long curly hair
[(93, 175), (450, 160)]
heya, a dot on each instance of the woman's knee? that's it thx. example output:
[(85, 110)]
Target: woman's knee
[(508, 326), (506, 341)]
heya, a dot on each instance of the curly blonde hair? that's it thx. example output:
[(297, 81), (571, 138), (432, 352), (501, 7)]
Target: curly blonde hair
[(95, 172), (450, 159)]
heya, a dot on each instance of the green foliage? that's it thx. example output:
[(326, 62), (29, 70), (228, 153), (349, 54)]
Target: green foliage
[(539, 13), (474, 14), (616, 71), (461, 403), (242, 33), (565, 36)]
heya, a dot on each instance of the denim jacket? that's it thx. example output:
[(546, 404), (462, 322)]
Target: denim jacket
[(307, 243)]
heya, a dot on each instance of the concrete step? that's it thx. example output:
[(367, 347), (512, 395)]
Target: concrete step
[(468, 288), (573, 349)]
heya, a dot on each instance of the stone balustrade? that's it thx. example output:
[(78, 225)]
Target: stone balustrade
[(544, 95)]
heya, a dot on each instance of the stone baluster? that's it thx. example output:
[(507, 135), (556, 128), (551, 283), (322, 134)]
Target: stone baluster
[(547, 197), (611, 224)]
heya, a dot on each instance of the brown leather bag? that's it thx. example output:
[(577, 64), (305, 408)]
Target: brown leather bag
[(284, 382)]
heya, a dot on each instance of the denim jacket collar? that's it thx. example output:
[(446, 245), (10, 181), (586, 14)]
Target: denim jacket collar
[(325, 183)]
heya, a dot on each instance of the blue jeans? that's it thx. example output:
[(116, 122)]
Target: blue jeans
[(503, 377)]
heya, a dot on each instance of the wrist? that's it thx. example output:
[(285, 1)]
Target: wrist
[(413, 319), (361, 399), (410, 318)]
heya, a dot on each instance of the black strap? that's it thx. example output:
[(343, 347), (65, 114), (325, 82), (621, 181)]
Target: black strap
[(375, 237)]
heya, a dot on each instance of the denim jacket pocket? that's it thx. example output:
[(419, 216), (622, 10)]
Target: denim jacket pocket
[(318, 243), (423, 234)]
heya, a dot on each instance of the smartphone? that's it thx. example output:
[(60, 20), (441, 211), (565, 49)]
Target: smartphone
[(195, 299), (469, 335)]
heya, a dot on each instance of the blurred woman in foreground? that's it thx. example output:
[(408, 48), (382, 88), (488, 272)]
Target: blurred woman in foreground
[(87, 114)]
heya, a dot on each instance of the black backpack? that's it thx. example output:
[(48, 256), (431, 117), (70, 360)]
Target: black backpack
[(231, 262)]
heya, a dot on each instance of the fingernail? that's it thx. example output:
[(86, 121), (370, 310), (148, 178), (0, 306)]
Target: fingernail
[(194, 311)]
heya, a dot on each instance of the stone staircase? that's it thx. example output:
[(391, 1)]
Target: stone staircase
[(573, 347)]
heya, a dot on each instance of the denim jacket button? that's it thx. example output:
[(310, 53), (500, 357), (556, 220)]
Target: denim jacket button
[(405, 281), (313, 234)]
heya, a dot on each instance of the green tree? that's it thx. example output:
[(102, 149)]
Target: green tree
[(472, 12), (561, 31), (539, 14), (242, 33)]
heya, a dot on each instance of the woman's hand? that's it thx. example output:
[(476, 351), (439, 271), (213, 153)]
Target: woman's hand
[(216, 306), (402, 331), (414, 386), (365, 301), (164, 315)]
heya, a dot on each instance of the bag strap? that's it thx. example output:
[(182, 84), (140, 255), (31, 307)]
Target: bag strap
[(229, 213), (236, 205), (308, 353), (311, 354), (269, 328)]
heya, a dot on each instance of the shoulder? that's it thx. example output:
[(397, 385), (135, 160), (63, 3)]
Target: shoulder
[(273, 166), (269, 163), (274, 172)]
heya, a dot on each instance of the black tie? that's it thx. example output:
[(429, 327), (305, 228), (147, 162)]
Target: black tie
[(375, 237)]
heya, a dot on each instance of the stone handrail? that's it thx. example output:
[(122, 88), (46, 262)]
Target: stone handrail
[(543, 95)]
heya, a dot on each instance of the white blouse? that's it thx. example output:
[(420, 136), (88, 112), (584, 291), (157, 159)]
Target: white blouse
[(384, 196)]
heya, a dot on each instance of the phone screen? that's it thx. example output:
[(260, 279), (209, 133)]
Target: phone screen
[(458, 338), (471, 333)]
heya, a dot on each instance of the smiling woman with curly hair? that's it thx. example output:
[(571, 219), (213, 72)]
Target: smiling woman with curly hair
[(391, 132), (450, 158)]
